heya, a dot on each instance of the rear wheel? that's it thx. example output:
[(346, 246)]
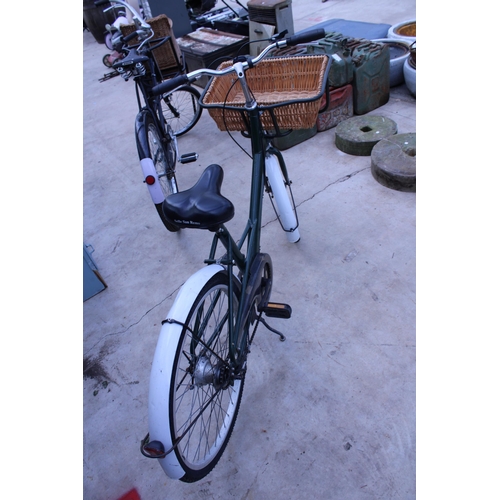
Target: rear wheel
[(181, 109), (204, 394), (164, 156)]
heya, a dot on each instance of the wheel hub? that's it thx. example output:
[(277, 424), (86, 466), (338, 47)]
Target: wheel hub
[(224, 378), (205, 373)]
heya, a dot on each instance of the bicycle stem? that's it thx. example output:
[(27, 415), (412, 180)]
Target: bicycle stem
[(250, 101)]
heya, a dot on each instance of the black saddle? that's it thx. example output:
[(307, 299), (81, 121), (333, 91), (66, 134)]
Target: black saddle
[(202, 206)]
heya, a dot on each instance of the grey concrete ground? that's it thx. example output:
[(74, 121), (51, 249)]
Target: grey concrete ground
[(330, 413)]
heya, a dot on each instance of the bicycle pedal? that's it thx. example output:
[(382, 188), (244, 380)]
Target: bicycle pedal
[(188, 158), (277, 310)]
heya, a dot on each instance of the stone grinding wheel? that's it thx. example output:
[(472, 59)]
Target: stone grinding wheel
[(358, 135), (394, 162)]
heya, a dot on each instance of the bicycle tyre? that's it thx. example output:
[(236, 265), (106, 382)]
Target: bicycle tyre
[(186, 374), (283, 202), (181, 109), (164, 160), (105, 61)]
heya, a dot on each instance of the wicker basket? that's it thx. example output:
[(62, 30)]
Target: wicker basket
[(285, 88), (168, 56)]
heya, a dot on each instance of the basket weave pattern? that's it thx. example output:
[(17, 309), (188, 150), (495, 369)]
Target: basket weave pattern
[(287, 87), (168, 56)]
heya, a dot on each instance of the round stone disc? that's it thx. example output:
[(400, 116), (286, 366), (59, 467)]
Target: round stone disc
[(358, 135), (394, 162)]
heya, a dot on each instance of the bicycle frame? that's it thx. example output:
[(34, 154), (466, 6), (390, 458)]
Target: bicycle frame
[(247, 264), (251, 265)]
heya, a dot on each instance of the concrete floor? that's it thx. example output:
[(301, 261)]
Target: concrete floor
[(330, 413)]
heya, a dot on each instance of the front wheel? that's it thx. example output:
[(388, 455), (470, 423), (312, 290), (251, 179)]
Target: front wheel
[(195, 393), (283, 202), (106, 61), (181, 109)]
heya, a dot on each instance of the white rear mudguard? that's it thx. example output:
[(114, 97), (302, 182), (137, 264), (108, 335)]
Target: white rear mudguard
[(148, 168), (161, 371)]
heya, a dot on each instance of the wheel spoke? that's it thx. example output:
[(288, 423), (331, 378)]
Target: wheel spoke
[(201, 426)]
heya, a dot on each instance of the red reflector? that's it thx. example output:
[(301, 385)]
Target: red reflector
[(150, 180), (154, 452)]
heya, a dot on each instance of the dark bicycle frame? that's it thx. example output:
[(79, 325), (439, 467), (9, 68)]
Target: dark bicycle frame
[(151, 105), (251, 264)]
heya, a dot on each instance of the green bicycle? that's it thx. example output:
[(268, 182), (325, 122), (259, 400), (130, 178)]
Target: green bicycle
[(200, 361)]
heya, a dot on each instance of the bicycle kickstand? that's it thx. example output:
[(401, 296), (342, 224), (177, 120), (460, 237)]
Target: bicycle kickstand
[(271, 329)]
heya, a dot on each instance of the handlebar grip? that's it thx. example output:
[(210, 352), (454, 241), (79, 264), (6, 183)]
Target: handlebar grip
[(129, 37), (308, 36), (169, 85)]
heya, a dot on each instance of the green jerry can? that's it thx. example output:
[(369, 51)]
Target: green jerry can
[(372, 75), (362, 63), (341, 70)]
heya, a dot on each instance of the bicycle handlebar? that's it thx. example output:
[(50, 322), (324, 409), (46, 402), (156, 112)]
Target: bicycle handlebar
[(131, 36), (307, 37), (171, 84), (177, 81)]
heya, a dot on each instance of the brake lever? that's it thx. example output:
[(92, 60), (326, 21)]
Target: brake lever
[(279, 36)]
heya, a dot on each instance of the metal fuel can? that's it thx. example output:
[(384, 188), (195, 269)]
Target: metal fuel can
[(372, 73)]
